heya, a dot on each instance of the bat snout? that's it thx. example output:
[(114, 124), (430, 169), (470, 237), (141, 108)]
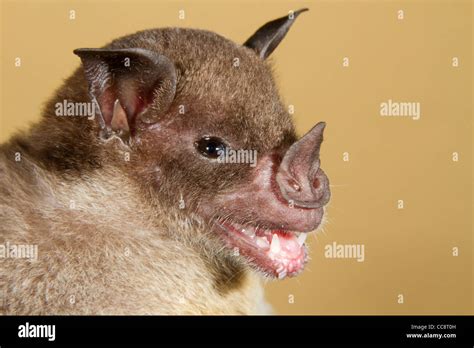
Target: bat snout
[(300, 179)]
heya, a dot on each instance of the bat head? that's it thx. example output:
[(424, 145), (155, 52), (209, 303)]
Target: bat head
[(210, 137)]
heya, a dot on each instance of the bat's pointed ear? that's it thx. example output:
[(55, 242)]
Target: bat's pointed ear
[(124, 83), (269, 36)]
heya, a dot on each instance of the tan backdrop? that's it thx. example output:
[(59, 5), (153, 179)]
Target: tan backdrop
[(418, 260)]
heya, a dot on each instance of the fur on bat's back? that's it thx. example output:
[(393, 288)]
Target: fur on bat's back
[(102, 248)]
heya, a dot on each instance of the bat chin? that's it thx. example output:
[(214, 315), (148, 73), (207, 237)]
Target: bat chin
[(275, 253)]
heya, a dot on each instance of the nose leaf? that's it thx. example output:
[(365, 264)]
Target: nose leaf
[(299, 177)]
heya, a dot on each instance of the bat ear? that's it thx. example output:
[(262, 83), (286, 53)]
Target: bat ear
[(124, 82), (269, 36)]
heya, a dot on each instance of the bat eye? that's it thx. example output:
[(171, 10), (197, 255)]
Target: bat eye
[(210, 147)]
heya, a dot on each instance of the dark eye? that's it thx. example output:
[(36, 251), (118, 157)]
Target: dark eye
[(210, 147)]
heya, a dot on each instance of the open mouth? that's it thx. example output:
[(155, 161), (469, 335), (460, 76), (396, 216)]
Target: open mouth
[(277, 253)]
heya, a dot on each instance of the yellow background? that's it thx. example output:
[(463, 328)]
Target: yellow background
[(407, 251)]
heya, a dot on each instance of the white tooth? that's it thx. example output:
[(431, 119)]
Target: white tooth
[(302, 238), (262, 242), (250, 233), (281, 275), (275, 246)]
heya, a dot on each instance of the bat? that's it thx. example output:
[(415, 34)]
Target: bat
[(164, 177)]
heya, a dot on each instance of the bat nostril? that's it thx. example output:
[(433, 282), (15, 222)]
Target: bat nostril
[(316, 183), (294, 185)]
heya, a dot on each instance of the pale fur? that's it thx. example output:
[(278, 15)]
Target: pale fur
[(100, 252)]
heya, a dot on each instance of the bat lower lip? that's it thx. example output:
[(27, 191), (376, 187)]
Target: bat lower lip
[(286, 259)]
